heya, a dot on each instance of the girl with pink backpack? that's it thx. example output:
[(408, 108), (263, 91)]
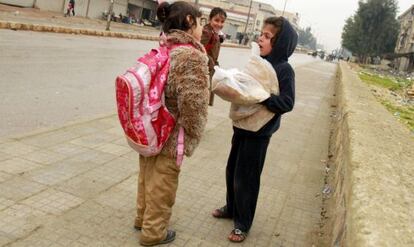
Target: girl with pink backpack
[(186, 98)]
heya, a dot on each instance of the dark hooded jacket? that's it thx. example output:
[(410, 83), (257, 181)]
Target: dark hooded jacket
[(279, 104)]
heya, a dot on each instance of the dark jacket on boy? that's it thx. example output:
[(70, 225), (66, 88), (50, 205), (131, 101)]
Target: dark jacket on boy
[(211, 41), (282, 103)]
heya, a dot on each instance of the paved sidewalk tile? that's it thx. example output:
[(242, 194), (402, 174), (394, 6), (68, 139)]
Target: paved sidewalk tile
[(18, 188), (68, 149), (113, 149), (4, 156), (52, 201), (50, 138), (82, 129), (18, 220), (59, 172), (94, 140), (16, 148), (5, 203), (93, 156), (99, 179), (119, 197), (4, 239), (4, 176), (18, 166), (44, 157)]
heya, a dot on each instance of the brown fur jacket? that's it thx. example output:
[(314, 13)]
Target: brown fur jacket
[(186, 93)]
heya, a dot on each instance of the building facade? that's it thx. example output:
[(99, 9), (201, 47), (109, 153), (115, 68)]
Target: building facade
[(139, 9), (235, 26), (265, 10), (405, 42)]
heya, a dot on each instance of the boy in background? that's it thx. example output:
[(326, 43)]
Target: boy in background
[(211, 39)]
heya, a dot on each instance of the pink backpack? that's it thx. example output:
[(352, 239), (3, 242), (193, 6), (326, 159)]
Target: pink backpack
[(146, 121)]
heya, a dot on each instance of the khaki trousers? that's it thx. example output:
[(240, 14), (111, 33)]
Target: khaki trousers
[(157, 187)]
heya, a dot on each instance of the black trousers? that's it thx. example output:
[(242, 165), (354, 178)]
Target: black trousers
[(244, 167)]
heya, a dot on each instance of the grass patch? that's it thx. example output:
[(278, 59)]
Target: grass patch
[(391, 83), (404, 113)]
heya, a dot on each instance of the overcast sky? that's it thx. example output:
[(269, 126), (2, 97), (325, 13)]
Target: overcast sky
[(326, 17)]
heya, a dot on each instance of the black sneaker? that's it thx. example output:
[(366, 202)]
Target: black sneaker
[(168, 239)]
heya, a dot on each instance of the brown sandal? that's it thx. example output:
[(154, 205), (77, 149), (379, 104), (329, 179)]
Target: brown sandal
[(237, 236), (221, 213)]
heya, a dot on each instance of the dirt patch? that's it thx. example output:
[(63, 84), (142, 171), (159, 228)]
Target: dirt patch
[(395, 93)]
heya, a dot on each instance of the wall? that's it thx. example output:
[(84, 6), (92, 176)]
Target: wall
[(56, 5), (23, 3), (373, 201), (406, 36)]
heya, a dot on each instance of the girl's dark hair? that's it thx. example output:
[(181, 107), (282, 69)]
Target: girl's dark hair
[(277, 23), (218, 11), (174, 16)]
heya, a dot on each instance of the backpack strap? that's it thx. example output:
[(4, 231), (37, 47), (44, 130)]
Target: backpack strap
[(180, 139), (180, 146)]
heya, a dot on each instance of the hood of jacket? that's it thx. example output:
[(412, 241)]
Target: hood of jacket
[(285, 44)]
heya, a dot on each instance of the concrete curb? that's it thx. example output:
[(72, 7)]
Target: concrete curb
[(374, 191), (70, 30), (91, 32)]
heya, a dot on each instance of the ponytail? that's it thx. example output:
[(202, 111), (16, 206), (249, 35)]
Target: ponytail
[(174, 16)]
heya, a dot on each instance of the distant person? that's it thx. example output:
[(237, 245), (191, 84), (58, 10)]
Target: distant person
[(247, 156), (211, 39), (240, 38), (203, 21), (71, 8), (246, 40)]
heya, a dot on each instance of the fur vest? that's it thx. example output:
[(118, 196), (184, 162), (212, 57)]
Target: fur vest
[(186, 93)]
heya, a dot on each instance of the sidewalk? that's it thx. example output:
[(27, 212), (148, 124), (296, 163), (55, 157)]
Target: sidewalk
[(30, 19), (76, 185)]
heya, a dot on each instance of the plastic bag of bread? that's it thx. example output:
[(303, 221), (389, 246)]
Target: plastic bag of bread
[(242, 89), (238, 87), (250, 118)]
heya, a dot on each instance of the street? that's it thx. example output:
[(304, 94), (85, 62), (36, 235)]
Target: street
[(49, 79)]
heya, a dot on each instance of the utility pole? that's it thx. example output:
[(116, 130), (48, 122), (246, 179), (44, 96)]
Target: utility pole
[(283, 13), (108, 20), (196, 3), (87, 8), (63, 6), (248, 18), (34, 3)]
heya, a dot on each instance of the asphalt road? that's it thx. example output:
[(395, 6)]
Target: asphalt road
[(49, 79)]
